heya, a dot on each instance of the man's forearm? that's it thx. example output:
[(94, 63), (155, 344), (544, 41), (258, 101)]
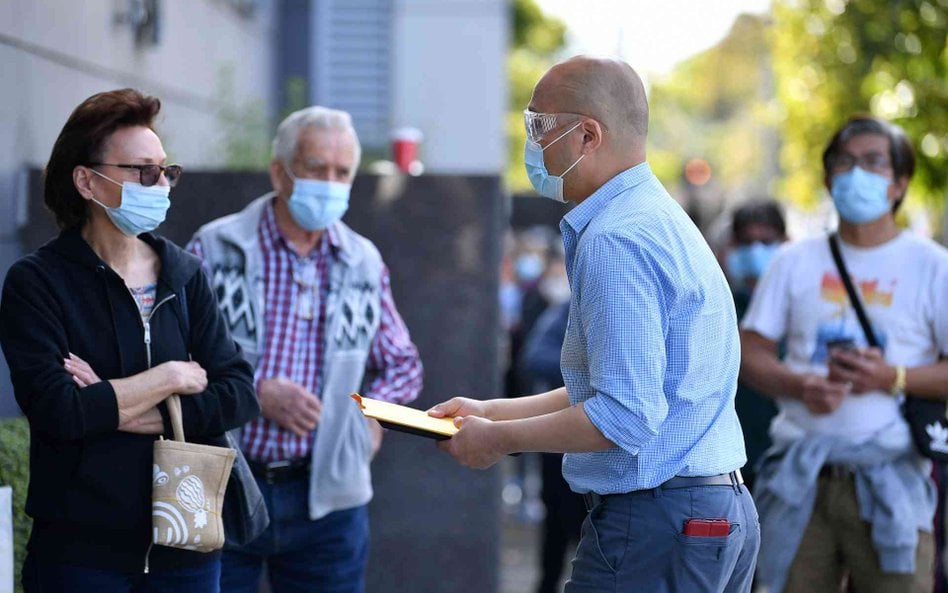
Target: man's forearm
[(771, 377), (567, 430), (762, 370), (929, 380), (515, 408)]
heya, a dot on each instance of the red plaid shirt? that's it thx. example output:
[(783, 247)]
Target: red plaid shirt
[(295, 286)]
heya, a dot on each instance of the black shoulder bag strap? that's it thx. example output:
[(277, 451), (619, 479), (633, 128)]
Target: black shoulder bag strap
[(851, 291)]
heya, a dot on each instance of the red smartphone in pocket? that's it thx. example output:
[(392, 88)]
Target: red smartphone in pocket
[(707, 527)]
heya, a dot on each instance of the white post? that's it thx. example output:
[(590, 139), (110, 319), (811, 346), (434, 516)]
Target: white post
[(6, 539)]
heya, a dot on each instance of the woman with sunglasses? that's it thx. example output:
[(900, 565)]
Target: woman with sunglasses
[(95, 332)]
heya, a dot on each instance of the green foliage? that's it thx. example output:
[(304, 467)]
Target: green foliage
[(245, 130), (535, 31), (834, 58), (726, 119), (296, 95), (15, 472), (536, 39)]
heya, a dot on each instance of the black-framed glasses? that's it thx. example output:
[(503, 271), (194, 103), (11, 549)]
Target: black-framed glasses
[(875, 162), (148, 175)]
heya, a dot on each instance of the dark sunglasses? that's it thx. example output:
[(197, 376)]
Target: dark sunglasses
[(148, 174)]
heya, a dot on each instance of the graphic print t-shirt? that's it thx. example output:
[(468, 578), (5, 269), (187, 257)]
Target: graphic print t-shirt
[(904, 289)]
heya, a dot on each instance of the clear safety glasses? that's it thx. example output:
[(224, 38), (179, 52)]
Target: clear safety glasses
[(538, 124)]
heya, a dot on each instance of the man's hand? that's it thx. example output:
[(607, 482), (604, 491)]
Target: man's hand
[(822, 396), (459, 406), (865, 370), (80, 370), (476, 444), (289, 404)]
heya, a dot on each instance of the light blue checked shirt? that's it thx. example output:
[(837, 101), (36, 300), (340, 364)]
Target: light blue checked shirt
[(652, 348)]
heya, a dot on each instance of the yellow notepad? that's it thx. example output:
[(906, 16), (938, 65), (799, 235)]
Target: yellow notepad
[(405, 419)]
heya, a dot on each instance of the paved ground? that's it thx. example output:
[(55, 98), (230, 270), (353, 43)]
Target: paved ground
[(522, 527), (519, 571)]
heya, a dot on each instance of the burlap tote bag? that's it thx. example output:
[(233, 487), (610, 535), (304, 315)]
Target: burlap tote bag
[(188, 490)]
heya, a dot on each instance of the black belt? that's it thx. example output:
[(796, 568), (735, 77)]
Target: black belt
[(733, 478), (280, 471)]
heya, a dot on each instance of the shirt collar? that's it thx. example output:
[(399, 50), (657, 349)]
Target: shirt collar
[(277, 239), (584, 212)]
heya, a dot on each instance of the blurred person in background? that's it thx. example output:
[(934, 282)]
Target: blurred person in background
[(757, 231), (541, 289), (311, 302), (530, 260), (93, 329), (549, 286), (564, 509), (843, 493), (509, 293)]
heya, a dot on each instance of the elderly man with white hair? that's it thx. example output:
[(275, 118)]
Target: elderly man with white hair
[(310, 302)]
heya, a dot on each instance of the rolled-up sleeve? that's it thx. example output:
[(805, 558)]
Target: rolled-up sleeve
[(623, 319)]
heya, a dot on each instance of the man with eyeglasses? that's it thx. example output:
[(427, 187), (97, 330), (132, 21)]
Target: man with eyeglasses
[(310, 302), (650, 359), (843, 493)]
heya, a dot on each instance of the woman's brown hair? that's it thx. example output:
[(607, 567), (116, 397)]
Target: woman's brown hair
[(82, 141)]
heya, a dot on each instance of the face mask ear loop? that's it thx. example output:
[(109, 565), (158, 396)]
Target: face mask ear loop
[(101, 204), (104, 176), (581, 157), (579, 123)]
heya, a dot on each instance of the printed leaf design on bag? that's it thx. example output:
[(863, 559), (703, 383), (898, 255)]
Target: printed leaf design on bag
[(190, 494), (939, 436)]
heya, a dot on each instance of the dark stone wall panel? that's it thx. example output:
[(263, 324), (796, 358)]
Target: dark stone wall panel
[(441, 237)]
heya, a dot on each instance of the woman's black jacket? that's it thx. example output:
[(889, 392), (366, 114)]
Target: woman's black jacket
[(90, 484)]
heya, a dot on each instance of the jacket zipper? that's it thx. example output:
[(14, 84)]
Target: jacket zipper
[(146, 324)]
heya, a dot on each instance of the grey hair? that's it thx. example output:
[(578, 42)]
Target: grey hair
[(323, 118)]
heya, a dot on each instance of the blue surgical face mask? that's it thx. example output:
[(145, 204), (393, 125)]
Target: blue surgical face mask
[(860, 196), (748, 262), (315, 204), (528, 267), (142, 208), (548, 186)]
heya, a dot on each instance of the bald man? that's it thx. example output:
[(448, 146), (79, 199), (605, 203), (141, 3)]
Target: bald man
[(650, 360)]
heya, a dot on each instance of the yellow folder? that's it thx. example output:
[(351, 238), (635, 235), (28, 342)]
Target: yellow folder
[(405, 419)]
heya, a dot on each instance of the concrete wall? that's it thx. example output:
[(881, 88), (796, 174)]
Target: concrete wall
[(450, 81), (209, 56), (436, 526), (436, 65)]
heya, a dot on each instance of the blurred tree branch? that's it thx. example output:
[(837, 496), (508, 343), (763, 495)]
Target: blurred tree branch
[(834, 58)]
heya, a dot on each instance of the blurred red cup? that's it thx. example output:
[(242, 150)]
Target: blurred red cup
[(405, 143)]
